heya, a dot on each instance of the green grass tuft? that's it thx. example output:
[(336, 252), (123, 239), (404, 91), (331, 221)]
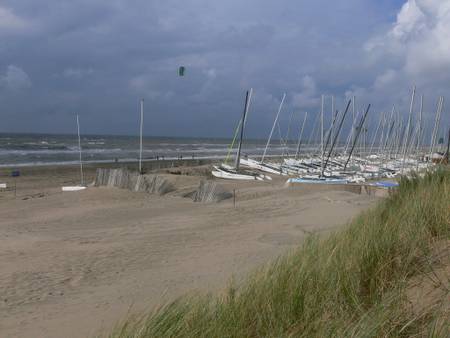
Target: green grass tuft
[(353, 283)]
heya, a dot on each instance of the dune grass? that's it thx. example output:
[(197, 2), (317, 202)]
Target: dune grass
[(352, 283)]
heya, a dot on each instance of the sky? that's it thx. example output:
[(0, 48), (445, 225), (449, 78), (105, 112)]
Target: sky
[(98, 58)]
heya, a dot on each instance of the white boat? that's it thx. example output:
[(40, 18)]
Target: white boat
[(234, 176), (268, 168), (226, 171), (318, 180), (74, 188), (234, 172), (370, 168), (356, 179)]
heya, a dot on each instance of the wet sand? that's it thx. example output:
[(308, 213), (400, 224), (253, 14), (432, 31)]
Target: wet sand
[(73, 264)]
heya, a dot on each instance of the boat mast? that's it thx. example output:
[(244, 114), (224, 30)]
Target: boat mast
[(333, 115), (300, 136), (288, 132), (312, 135), (351, 137), (420, 130), (376, 133), (353, 117), (244, 116), (321, 133), (383, 131), (436, 125), (336, 137), (415, 134), (390, 123), (358, 132), (330, 133), (273, 127), (387, 144), (79, 150), (408, 127), (395, 132), (399, 135), (140, 137)]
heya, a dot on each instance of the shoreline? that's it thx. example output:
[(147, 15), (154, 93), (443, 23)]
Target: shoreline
[(191, 160)]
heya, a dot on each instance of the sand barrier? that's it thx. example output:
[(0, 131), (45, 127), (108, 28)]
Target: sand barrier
[(209, 192), (125, 179)]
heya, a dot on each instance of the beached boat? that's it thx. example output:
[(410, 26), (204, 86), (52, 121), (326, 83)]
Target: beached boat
[(235, 172), (318, 180), (265, 167), (73, 188), (220, 172)]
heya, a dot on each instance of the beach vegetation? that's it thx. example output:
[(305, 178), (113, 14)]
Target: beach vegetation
[(386, 274)]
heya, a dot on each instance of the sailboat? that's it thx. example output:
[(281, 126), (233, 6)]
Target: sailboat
[(235, 173), (267, 167), (337, 172), (81, 186)]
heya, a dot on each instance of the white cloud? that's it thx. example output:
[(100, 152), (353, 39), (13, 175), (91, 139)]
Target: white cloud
[(10, 22), (410, 20), (415, 50), (422, 31), (15, 78)]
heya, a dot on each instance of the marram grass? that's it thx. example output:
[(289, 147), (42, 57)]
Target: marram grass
[(351, 284)]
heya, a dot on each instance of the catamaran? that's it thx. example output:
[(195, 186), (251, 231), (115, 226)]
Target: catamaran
[(267, 167), (236, 173)]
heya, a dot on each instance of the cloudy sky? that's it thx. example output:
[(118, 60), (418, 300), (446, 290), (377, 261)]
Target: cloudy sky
[(97, 58)]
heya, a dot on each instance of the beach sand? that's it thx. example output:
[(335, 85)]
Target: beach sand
[(74, 264)]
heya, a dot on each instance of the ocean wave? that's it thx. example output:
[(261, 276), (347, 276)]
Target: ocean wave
[(69, 150)]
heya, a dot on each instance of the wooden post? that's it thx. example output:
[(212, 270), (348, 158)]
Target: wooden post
[(140, 136), (79, 150), (234, 198)]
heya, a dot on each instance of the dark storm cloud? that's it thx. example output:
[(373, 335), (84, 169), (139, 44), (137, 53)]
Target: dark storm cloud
[(98, 57)]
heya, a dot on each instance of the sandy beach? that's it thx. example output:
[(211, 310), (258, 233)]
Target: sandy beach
[(74, 264)]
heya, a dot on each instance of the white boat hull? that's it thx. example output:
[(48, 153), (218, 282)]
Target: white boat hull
[(260, 166), (231, 176), (317, 180), (74, 188)]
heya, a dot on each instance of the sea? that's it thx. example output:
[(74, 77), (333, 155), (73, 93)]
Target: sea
[(18, 150)]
